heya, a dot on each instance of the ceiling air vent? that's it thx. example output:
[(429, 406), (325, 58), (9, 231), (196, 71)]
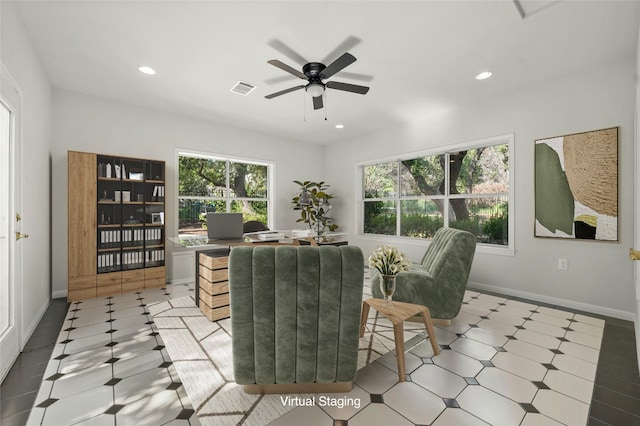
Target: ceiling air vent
[(243, 88)]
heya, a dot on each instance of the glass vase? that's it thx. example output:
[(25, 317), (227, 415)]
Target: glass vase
[(388, 287)]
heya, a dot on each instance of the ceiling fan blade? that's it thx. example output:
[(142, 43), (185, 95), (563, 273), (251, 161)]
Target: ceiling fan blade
[(348, 44), (280, 79), (287, 68), (289, 52), (353, 88), (356, 76), (337, 65), (317, 102), (283, 92)]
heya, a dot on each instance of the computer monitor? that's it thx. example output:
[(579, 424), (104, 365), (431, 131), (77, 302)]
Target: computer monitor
[(224, 226)]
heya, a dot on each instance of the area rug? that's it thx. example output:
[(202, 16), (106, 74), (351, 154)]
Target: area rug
[(502, 361), (201, 353)]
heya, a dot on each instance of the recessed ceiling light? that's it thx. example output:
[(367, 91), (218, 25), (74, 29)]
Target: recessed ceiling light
[(147, 70), (339, 126), (483, 75)]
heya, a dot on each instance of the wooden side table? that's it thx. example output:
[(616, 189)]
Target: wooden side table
[(397, 314)]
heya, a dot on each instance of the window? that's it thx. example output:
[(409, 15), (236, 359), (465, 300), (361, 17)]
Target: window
[(466, 188), (214, 184)]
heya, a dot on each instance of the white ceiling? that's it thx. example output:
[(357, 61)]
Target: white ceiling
[(422, 55)]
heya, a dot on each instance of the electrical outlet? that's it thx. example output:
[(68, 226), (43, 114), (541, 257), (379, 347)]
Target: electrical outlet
[(563, 264)]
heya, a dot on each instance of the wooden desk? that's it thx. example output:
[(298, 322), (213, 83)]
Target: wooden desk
[(212, 277), (397, 314)]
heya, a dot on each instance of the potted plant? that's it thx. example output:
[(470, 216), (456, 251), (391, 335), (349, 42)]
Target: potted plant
[(313, 203)]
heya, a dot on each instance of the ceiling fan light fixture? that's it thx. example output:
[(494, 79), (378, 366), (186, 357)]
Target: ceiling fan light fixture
[(315, 89)]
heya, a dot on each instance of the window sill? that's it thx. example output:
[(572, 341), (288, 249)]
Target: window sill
[(480, 248)]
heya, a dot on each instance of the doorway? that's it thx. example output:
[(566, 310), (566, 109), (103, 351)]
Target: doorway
[(10, 248)]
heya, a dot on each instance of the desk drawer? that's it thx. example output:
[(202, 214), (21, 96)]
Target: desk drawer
[(214, 301), (214, 314), (213, 275), (212, 262), (214, 288)]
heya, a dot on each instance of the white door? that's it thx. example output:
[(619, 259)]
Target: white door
[(635, 252), (10, 246)]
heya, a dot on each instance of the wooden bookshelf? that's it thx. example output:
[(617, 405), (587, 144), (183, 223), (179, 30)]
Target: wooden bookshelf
[(116, 228)]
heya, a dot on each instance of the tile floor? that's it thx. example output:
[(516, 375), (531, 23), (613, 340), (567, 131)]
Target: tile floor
[(21, 385), (503, 362), (119, 360), (110, 367)]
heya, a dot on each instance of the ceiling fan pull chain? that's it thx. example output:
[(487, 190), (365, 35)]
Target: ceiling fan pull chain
[(326, 105), (304, 108)]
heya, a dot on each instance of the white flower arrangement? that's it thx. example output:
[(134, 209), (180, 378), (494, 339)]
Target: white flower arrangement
[(388, 260)]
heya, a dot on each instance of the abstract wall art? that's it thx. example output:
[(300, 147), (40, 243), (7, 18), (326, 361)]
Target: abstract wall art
[(576, 186)]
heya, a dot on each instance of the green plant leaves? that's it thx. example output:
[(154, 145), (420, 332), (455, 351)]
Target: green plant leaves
[(314, 213)]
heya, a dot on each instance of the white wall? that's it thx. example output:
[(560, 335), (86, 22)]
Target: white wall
[(599, 277), (90, 124), (19, 58)]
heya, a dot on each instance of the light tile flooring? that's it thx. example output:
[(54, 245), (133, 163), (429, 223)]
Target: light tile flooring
[(502, 362), (110, 367)]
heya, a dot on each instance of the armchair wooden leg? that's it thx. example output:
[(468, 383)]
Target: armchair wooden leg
[(398, 332), (365, 317), (426, 317)]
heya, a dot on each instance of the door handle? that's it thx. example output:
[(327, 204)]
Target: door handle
[(20, 235), (634, 254)]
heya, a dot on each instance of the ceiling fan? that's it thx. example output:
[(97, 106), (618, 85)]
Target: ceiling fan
[(314, 73)]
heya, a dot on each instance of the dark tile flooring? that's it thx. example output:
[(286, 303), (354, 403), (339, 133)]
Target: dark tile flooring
[(616, 394), (20, 388)]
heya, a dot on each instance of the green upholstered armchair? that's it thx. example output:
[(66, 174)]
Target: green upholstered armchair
[(439, 280), (295, 317)]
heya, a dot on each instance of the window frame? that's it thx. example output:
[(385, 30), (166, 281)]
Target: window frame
[(507, 139), (269, 199)]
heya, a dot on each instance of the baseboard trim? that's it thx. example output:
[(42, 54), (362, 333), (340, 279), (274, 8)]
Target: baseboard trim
[(594, 309), (59, 294), (181, 281), (32, 327)]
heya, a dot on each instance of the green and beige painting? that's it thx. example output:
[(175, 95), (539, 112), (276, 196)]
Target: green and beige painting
[(576, 186)]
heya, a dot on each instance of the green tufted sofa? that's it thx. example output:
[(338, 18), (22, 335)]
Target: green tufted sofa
[(440, 279), (295, 317)]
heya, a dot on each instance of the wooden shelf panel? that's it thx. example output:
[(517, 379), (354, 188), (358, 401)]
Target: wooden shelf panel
[(107, 250)]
